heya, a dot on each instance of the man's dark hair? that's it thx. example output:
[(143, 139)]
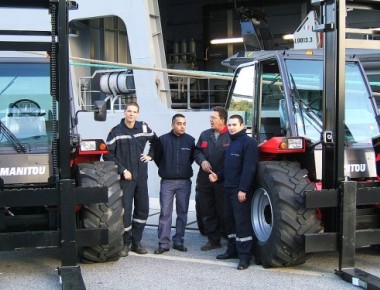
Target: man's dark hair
[(222, 112), (132, 104), (177, 116), (240, 118)]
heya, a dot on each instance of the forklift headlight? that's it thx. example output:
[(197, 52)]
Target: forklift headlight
[(291, 143), (88, 145), (296, 143)]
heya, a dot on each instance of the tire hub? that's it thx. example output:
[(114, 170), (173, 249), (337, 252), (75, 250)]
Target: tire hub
[(262, 215)]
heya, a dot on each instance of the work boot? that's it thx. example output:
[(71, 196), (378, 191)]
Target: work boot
[(243, 265), (124, 251), (226, 256), (138, 249), (180, 248), (160, 251), (211, 245)]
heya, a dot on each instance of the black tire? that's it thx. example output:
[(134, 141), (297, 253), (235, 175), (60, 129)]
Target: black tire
[(198, 214), (278, 216), (100, 215)]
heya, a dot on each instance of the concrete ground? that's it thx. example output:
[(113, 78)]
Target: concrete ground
[(36, 268)]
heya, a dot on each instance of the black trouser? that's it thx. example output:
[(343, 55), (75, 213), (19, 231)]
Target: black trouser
[(136, 193), (211, 202), (238, 224)]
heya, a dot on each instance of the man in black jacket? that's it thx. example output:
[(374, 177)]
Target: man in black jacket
[(174, 154), (209, 154), (126, 143), (239, 176)]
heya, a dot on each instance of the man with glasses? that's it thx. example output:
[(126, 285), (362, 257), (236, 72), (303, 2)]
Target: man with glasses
[(209, 154)]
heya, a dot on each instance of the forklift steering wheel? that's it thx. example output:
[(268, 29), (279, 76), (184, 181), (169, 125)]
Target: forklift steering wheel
[(26, 107)]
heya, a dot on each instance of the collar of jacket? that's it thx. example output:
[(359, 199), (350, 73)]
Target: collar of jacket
[(174, 135), (125, 125), (224, 130), (238, 134)]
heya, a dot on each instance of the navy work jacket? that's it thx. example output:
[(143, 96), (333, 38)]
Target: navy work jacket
[(174, 155), (240, 162)]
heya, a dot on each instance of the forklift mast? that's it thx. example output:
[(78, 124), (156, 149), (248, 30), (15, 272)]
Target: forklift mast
[(336, 210), (64, 194), (333, 25)]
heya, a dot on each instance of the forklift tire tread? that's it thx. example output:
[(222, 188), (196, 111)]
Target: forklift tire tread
[(109, 215), (278, 203)]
